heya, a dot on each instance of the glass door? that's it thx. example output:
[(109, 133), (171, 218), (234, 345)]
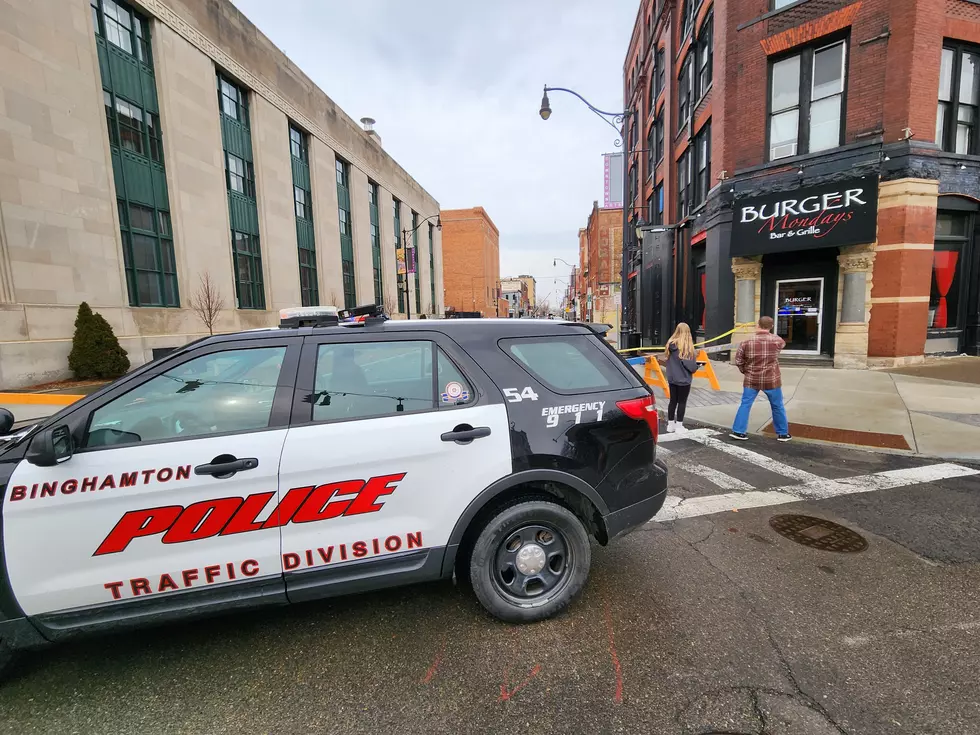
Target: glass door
[(799, 314)]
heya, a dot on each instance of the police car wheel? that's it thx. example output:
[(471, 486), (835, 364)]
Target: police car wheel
[(530, 561)]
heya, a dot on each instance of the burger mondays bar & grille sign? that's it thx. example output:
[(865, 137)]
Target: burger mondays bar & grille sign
[(829, 215)]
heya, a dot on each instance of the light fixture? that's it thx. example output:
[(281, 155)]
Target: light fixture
[(800, 172), (545, 110), (640, 224), (962, 167), (439, 222)]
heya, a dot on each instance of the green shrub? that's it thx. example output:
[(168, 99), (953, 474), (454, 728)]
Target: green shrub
[(95, 351)]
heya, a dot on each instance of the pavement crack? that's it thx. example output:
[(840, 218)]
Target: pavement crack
[(758, 710), (798, 692)]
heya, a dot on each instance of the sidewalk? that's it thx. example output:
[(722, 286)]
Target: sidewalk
[(866, 408)]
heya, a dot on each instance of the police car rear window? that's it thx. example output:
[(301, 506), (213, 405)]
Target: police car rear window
[(567, 364)]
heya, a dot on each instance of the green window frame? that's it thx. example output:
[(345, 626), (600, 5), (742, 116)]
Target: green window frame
[(248, 270), (400, 279), (373, 195), (303, 210), (418, 272), (432, 269), (148, 255), (346, 233), (236, 137), (123, 27), (136, 145)]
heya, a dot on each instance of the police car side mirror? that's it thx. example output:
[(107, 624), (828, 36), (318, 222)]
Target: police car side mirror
[(6, 421), (51, 446)]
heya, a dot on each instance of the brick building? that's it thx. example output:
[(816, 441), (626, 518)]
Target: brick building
[(145, 144), (817, 161), (531, 284), (515, 293), (600, 262), (471, 258)]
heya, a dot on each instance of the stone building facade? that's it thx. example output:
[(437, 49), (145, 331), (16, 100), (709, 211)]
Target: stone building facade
[(143, 145), (746, 107)]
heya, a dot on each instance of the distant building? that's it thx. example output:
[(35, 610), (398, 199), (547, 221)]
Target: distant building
[(600, 256), (514, 290), (530, 283), (471, 260)]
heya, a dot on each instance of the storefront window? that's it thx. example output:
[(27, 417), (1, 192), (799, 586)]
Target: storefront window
[(944, 298)]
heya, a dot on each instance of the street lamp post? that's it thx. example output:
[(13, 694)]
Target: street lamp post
[(405, 234), (619, 121)]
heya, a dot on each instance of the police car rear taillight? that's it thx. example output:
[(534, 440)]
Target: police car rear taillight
[(642, 409)]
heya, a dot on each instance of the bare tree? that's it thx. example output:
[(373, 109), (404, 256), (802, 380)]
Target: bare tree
[(207, 302), (391, 305)]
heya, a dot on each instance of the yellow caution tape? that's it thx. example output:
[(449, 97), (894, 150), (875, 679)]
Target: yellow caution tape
[(698, 344)]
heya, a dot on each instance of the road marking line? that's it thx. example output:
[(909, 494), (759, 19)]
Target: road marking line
[(716, 477), (689, 434), (753, 458), (880, 481), (676, 507)]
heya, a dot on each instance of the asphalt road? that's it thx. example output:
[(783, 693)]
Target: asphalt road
[(707, 624)]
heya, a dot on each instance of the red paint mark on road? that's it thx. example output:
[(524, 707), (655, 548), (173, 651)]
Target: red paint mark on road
[(618, 696), (506, 693), (435, 664)]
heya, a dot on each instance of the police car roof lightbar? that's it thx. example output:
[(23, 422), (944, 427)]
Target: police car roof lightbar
[(308, 316)]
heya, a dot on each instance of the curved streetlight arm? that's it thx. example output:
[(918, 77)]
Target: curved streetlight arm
[(616, 117), (555, 262), (438, 216)]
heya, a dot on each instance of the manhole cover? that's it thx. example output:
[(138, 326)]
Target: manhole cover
[(818, 533)]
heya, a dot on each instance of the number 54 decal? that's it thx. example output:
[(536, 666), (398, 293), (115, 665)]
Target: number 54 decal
[(513, 396)]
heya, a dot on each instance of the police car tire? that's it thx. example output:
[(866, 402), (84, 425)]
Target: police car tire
[(494, 533)]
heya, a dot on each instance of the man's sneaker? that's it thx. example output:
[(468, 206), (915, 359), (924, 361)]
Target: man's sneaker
[(680, 428), (783, 438), (740, 437)]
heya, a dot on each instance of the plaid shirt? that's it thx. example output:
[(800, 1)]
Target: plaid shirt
[(758, 360)]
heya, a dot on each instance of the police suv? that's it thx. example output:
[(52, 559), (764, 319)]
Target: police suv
[(319, 459)]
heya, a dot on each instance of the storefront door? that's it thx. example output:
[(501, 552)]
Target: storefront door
[(799, 314)]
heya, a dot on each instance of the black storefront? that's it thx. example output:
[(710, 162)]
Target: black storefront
[(798, 236)]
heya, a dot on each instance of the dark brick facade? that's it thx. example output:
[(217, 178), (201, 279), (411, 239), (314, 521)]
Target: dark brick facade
[(893, 56)]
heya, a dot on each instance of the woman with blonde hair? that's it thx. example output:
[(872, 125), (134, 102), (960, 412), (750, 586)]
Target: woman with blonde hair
[(681, 366)]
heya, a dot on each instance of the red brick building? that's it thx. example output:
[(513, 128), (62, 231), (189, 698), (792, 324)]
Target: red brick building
[(470, 261), (817, 161), (600, 264)]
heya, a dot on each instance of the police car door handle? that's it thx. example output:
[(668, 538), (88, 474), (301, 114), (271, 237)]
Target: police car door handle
[(464, 434), (226, 465)]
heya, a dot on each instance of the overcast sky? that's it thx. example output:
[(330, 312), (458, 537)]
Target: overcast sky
[(455, 88)]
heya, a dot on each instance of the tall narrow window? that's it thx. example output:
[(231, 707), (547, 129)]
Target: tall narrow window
[(432, 270), (684, 93), (303, 206), (705, 55), (651, 150), (957, 129), (236, 138), (806, 101), (346, 233), (375, 243), (418, 269), (661, 71), (687, 16), (400, 277), (658, 126), (702, 152), (683, 184), (953, 231), (658, 205), (136, 142)]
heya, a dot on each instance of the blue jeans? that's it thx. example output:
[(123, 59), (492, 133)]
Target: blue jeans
[(775, 396)]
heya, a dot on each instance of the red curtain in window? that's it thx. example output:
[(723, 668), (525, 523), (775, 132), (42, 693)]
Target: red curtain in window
[(704, 298), (944, 269)]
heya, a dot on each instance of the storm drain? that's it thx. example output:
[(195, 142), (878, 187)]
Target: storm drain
[(818, 533)]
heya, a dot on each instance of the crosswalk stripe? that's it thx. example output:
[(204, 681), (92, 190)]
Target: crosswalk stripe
[(717, 477), (707, 437), (675, 507)]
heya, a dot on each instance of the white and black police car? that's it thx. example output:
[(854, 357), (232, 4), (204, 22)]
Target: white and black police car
[(320, 459)]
